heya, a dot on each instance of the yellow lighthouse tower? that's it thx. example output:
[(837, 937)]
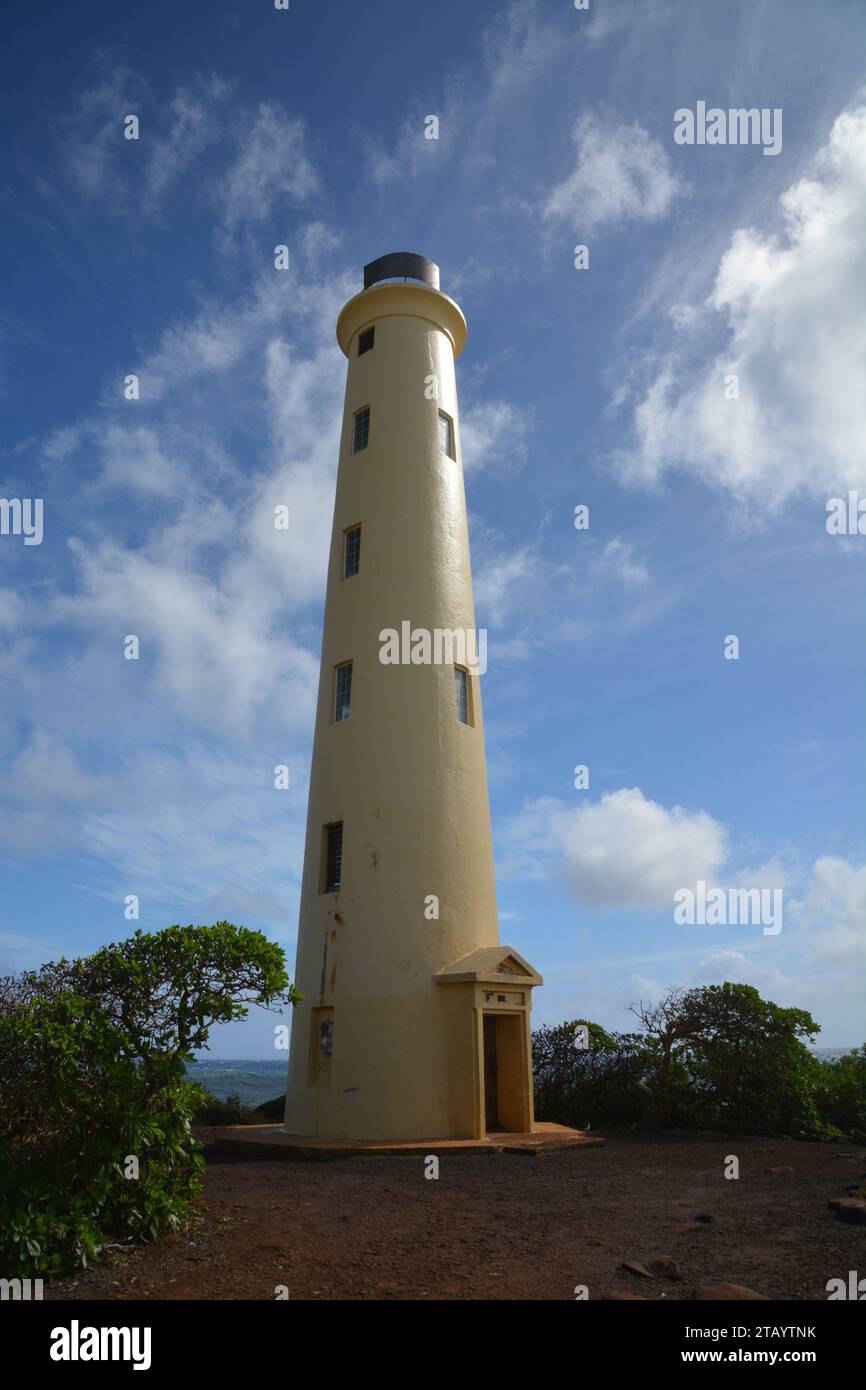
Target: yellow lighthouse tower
[(415, 1020)]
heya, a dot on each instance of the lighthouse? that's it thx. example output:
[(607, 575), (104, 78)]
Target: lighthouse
[(415, 1019)]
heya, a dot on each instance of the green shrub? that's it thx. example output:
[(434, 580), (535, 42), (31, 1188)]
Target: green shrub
[(842, 1094), (95, 1106), (714, 1057), (597, 1085)]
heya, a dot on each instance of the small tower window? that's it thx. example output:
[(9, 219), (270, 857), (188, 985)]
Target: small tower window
[(446, 435), (351, 551), (362, 429), (461, 678), (365, 340), (332, 869), (343, 690)]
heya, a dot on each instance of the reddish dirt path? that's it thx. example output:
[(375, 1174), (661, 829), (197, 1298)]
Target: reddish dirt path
[(506, 1227)]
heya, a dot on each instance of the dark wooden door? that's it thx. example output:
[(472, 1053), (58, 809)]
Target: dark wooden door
[(491, 1109)]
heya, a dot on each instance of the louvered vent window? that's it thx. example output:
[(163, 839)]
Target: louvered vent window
[(333, 857)]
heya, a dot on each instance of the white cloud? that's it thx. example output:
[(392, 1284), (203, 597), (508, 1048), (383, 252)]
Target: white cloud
[(621, 174), (271, 164), (494, 436), (834, 916), (618, 561), (248, 160), (623, 850), (190, 124), (789, 307), (495, 583), (631, 15)]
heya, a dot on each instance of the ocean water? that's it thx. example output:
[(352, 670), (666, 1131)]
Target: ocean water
[(254, 1082)]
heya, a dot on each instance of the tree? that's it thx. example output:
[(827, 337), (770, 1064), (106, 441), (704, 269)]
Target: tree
[(95, 1107), (729, 1059), (586, 1086), (166, 990)]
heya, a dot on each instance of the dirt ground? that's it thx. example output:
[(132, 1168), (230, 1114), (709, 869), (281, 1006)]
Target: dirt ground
[(506, 1226)]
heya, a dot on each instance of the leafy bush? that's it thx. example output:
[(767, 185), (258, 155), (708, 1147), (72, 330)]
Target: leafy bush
[(597, 1085), (232, 1112), (714, 1057), (842, 1095), (95, 1107)]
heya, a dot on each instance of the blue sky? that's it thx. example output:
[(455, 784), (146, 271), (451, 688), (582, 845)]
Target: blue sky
[(603, 387)]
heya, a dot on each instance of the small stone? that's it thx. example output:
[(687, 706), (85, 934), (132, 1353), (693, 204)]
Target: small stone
[(666, 1267), (782, 1171), (725, 1293), (851, 1210), (632, 1267)]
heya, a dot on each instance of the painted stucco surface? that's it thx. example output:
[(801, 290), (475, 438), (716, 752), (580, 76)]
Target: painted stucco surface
[(406, 779)]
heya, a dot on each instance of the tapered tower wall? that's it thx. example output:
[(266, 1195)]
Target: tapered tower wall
[(405, 777)]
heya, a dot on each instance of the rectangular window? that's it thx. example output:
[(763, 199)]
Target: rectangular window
[(461, 677), (365, 340), (343, 690), (362, 429), (351, 551), (333, 865), (446, 435)]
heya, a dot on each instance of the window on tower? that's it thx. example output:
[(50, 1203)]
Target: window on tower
[(446, 435), (464, 707), (332, 868), (351, 551), (343, 690), (362, 429), (365, 340)]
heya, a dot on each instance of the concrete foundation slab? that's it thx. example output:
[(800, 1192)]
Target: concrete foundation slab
[(270, 1141)]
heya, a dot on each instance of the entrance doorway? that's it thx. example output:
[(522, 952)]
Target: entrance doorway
[(507, 1101), (491, 1075)]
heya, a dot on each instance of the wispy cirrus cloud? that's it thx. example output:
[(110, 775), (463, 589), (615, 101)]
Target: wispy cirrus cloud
[(249, 161)]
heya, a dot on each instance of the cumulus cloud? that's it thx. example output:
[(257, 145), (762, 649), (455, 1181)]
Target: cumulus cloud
[(621, 174), (788, 306), (834, 915), (623, 850)]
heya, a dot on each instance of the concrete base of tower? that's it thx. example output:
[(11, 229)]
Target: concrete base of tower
[(270, 1141)]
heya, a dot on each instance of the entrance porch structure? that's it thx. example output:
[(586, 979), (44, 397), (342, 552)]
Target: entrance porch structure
[(489, 993)]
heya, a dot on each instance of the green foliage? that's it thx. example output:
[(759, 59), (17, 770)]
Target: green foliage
[(749, 1066), (272, 1111), (715, 1057), (596, 1085), (232, 1112), (727, 1059), (93, 1076), (842, 1095)]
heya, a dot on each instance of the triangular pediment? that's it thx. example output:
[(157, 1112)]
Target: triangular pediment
[(494, 964)]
